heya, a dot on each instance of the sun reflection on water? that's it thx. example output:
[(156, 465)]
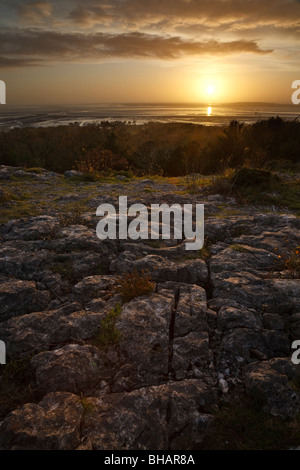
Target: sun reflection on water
[(209, 111)]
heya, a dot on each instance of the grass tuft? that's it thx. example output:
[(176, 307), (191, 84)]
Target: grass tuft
[(108, 334), (134, 284)]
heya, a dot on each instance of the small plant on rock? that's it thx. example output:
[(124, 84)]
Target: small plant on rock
[(108, 334), (292, 263), (134, 284)]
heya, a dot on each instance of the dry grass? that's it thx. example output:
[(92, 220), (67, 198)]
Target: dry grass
[(134, 284)]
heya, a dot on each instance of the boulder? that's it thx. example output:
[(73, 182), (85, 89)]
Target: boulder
[(52, 424), (73, 368), (21, 297), (267, 383)]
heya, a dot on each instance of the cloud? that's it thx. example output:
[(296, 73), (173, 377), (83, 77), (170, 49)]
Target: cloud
[(89, 16), (35, 12), (6, 62), (37, 45), (140, 13)]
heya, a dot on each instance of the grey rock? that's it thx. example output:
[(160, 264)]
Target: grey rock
[(230, 317), (73, 368), (240, 342), (189, 351), (21, 297), (144, 322), (38, 331), (271, 321), (52, 424), (265, 383), (162, 269), (93, 287), (71, 173), (157, 417), (33, 228)]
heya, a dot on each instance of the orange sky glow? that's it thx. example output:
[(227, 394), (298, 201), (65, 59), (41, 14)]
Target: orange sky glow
[(206, 51)]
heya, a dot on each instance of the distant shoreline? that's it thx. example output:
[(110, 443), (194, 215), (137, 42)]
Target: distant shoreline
[(138, 113)]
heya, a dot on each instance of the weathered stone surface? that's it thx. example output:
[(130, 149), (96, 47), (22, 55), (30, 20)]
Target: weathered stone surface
[(33, 228), (53, 424), (72, 368), (293, 324), (191, 310), (279, 295), (209, 330), (272, 321), (39, 330), (240, 257), (191, 353), (240, 342), (71, 173), (79, 237), (93, 287), (229, 318), (23, 263), (162, 269), (21, 297), (158, 417), (265, 382), (144, 345)]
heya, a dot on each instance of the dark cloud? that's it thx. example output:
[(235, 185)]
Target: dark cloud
[(37, 45)]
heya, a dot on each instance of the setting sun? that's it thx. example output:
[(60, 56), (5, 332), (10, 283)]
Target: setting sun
[(210, 89)]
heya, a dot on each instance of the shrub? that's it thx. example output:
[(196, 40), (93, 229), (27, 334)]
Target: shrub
[(252, 177), (134, 284), (100, 162)]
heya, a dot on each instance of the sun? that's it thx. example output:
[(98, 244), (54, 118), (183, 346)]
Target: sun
[(210, 89)]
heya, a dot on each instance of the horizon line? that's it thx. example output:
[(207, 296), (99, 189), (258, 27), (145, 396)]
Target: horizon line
[(155, 103)]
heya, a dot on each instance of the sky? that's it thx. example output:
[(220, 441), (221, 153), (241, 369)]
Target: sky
[(206, 51)]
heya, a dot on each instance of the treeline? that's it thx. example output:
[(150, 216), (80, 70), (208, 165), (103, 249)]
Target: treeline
[(172, 149)]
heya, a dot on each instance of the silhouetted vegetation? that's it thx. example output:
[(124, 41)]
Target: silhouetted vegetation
[(172, 149)]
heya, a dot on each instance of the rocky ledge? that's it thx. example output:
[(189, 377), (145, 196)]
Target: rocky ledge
[(217, 327)]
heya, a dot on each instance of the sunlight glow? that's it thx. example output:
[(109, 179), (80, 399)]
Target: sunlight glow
[(210, 89), (209, 111)]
